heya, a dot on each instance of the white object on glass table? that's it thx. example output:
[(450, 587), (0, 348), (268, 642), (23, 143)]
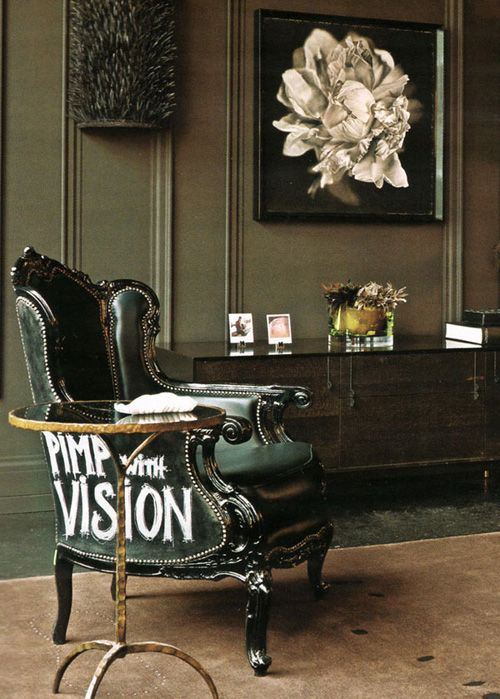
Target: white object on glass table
[(157, 403)]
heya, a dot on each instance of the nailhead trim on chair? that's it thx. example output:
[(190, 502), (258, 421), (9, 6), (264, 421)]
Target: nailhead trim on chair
[(44, 341), (259, 422), (170, 561)]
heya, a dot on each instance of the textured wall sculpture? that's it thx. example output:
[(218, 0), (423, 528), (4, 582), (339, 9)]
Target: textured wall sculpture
[(121, 62)]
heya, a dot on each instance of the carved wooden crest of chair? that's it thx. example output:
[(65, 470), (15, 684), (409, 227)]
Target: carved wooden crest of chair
[(259, 505)]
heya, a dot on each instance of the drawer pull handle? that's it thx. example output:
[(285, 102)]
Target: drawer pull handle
[(475, 395), (329, 384), (352, 398)]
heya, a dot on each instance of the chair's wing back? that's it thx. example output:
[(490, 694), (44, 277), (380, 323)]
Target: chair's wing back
[(133, 312), (39, 339), (63, 329), (170, 517)]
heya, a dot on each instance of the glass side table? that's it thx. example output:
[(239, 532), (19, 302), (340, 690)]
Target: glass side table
[(100, 418)]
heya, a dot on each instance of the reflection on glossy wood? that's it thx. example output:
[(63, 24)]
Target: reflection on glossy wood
[(420, 405)]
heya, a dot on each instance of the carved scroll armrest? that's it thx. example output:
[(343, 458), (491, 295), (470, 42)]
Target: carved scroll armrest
[(272, 408), (236, 430), (264, 406), (243, 520), (300, 396)]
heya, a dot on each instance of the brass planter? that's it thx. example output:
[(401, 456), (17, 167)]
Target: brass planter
[(363, 326)]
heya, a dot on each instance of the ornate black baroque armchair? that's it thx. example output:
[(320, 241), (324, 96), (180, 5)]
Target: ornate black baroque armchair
[(86, 341)]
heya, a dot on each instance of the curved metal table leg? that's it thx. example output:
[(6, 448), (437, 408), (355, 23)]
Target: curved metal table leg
[(90, 645), (118, 650), (151, 646)]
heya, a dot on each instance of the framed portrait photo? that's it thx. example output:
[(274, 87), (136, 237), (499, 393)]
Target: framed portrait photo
[(279, 329), (240, 328), (349, 118)]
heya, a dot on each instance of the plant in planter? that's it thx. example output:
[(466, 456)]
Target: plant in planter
[(363, 314)]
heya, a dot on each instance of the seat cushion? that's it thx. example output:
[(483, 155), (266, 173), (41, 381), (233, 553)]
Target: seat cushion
[(248, 464)]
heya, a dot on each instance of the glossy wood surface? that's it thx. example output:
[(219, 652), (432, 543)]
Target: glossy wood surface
[(320, 346), (419, 403)]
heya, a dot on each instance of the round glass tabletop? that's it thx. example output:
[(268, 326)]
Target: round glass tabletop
[(100, 417)]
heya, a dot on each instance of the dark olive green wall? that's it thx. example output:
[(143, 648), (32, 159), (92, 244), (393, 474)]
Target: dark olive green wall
[(272, 267), (175, 208), (481, 151)]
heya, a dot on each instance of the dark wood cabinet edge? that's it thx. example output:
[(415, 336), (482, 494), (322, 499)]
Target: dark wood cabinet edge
[(351, 475)]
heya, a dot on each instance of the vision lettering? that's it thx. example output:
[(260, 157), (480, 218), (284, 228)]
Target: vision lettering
[(86, 499)]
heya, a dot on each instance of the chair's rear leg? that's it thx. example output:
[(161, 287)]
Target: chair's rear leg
[(315, 568), (63, 571), (259, 584)]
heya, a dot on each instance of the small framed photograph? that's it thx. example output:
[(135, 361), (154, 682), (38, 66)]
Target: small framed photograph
[(279, 328), (240, 328)]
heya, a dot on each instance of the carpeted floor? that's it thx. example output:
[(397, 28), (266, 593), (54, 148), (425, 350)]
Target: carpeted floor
[(402, 621)]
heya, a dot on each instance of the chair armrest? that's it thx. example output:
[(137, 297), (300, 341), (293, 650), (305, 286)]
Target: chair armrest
[(236, 430), (299, 396), (263, 406)]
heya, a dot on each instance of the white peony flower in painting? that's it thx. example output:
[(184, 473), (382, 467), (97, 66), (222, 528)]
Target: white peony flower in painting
[(346, 103)]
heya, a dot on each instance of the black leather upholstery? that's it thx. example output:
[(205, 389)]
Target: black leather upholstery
[(86, 341)]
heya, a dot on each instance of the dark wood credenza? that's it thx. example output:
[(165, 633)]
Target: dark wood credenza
[(419, 403)]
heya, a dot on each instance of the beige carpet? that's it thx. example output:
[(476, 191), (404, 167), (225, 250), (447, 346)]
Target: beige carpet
[(401, 621)]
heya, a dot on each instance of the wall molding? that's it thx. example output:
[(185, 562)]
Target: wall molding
[(71, 167), (2, 135), (161, 233), (236, 86), (453, 227), (71, 195)]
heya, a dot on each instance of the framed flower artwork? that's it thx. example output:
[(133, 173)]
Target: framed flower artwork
[(348, 118)]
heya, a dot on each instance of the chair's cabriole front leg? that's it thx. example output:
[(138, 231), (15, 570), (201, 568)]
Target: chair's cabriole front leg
[(63, 572), (259, 585)]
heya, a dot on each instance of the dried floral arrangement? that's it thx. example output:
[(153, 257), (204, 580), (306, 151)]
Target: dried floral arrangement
[(371, 295)]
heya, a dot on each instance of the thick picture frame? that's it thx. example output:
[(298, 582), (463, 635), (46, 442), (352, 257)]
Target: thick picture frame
[(349, 118)]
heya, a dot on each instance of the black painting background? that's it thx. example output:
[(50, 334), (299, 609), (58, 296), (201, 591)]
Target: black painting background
[(283, 181)]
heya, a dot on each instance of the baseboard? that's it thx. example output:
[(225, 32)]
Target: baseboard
[(24, 485), (19, 504), (29, 461)]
